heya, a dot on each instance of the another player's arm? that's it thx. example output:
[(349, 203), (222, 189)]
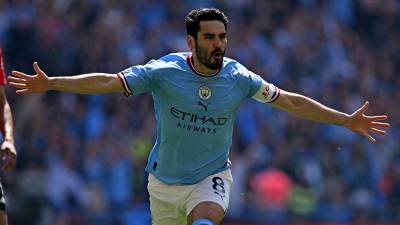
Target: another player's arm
[(307, 108), (6, 119), (93, 83), (8, 153)]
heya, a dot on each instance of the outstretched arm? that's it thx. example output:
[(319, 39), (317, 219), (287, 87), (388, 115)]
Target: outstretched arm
[(308, 108), (8, 154), (93, 83)]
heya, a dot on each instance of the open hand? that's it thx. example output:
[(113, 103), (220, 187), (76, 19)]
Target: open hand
[(29, 83), (366, 125)]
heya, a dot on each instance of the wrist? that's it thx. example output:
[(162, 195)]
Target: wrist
[(345, 120), (9, 140), (50, 83)]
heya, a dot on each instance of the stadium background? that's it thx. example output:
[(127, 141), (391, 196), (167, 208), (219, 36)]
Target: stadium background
[(81, 158)]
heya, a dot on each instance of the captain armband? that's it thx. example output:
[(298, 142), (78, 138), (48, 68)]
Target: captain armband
[(267, 93)]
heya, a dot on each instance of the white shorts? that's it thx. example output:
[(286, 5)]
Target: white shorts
[(171, 204)]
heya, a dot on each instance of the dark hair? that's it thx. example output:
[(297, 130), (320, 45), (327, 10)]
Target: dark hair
[(195, 16)]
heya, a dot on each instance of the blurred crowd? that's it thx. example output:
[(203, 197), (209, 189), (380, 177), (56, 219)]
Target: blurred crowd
[(81, 158)]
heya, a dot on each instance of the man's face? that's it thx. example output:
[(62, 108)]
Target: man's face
[(211, 43)]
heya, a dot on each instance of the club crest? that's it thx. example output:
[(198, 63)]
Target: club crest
[(204, 92)]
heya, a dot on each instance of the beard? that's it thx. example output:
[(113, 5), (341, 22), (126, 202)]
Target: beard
[(208, 60)]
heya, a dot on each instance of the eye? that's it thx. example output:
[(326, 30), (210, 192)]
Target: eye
[(209, 36)]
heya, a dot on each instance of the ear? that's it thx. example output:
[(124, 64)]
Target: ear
[(191, 42)]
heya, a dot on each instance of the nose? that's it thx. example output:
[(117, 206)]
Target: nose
[(217, 43)]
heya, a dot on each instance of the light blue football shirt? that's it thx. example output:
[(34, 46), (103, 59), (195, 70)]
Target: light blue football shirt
[(194, 113)]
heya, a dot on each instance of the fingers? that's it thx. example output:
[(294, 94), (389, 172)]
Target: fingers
[(380, 125), (370, 138), (26, 91), (23, 91), (16, 79), (17, 85), (367, 125), (378, 118), (377, 131), (20, 86), (26, 76), (19, 80), (20, 74), (364, 107), (37, 68), (374, 131)]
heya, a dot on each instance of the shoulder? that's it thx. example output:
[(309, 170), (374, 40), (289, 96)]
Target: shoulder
[(235, 68), (172, 60), (175, 57), (241, 74), (168, 64)]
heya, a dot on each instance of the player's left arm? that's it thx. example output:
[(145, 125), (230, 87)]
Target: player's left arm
[(307, 108)]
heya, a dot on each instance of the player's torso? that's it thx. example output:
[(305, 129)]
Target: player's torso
[(197, 103), (195, 116)]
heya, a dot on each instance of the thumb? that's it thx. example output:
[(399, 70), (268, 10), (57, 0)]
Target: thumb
[(364, 107), (37, 68)]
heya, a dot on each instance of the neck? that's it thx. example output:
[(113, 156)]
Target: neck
[(201, 68)]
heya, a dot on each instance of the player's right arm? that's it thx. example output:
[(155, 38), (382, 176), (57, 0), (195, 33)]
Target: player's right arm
[(93, 83)]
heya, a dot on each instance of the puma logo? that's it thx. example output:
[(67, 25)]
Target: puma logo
[(203, 105)]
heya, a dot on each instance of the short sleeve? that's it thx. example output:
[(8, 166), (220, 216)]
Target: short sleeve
[(256, 87), (254, 81), (139, 79)]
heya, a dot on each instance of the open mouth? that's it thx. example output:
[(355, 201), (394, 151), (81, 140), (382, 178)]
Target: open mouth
[(218, 55)]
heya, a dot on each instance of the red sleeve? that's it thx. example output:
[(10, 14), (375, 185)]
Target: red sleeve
[(3, 79)]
